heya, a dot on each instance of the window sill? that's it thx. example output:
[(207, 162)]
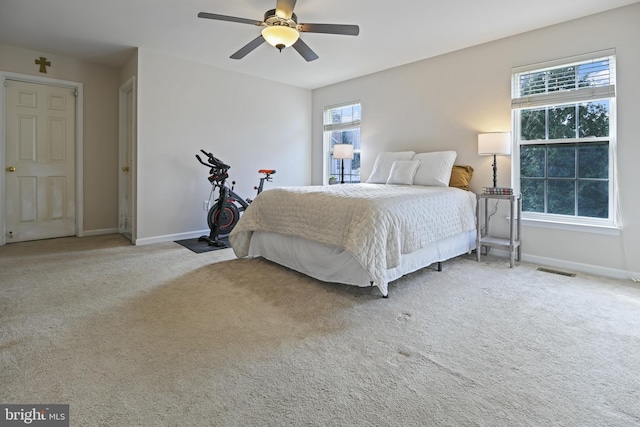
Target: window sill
[(609, 230)]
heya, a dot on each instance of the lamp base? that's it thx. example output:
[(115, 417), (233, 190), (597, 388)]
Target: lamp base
[(495, 172)]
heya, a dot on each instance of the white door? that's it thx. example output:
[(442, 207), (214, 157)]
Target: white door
[(40, 161)]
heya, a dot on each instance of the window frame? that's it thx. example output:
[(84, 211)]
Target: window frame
[(327, 129), (557, 99)]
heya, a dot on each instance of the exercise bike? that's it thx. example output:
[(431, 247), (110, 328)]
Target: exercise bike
[(225, 212)]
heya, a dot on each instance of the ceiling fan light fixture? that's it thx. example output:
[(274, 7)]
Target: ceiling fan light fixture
[(280, 29), (280, 36)]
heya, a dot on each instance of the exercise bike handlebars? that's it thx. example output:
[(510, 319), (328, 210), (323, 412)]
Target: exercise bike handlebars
[(214, 162), (217, 169)]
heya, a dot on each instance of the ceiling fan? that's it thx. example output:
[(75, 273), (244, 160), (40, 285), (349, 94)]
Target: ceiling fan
[(281, 29)]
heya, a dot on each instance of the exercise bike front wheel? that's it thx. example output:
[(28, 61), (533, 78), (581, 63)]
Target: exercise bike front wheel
[(225, 220)]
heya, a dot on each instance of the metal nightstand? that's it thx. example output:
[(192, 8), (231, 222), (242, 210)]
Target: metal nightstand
[(484, 239)]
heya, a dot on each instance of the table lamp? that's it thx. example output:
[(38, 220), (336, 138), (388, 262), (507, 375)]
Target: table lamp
[(342, 151), (494, 143)]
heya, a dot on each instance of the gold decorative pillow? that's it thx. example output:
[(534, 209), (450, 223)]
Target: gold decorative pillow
[(461, 177)]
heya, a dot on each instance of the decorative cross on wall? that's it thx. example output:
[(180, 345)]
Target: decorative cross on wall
[(43, 63)]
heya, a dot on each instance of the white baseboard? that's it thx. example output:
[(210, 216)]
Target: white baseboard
[(171, 237), (88, 233), (574, 266)]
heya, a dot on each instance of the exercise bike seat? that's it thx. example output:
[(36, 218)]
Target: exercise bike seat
[(267, 171)]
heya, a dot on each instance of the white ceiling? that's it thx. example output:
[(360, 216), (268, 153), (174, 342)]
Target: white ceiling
[(105, 31)]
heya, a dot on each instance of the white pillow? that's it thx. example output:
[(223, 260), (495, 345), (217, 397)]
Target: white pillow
[(382, 166), (435, 168), (402, 172)]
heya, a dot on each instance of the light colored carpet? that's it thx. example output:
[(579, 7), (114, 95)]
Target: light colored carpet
[(159, 335)]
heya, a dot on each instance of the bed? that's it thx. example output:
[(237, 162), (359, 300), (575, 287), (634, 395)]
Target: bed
[(362, 234)]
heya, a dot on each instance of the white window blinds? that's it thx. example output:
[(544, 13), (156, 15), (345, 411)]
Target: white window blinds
[(342, 117), (586, 78)]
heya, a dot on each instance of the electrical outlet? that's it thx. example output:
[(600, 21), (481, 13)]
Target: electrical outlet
[(205, 205)]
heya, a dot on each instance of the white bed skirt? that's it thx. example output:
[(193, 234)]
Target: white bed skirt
[(335, 265)]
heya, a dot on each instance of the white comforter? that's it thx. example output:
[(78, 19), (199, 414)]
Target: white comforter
[(376, 223)]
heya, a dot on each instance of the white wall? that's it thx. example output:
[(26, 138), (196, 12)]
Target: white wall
[(444, 102), (247, 122)]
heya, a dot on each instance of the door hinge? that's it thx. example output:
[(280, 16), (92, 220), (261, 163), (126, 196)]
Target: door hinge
[(75, 93)]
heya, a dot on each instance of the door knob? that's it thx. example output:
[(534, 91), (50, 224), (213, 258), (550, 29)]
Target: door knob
[(11, 169), (125, 169)]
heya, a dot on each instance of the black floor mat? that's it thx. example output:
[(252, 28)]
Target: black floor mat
[(198, 246)]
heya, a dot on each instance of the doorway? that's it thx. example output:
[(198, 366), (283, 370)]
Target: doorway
[(41, 183)]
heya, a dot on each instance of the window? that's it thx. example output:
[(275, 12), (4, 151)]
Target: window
[(342, 126), (564, 122)]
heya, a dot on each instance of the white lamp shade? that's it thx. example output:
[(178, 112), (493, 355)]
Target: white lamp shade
[(494, 143), (280, 35), (343, 151)]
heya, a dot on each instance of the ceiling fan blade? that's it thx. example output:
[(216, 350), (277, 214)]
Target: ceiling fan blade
[(284, 8), (346, 30), (304, 50), (248, 48), (229, 18)]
